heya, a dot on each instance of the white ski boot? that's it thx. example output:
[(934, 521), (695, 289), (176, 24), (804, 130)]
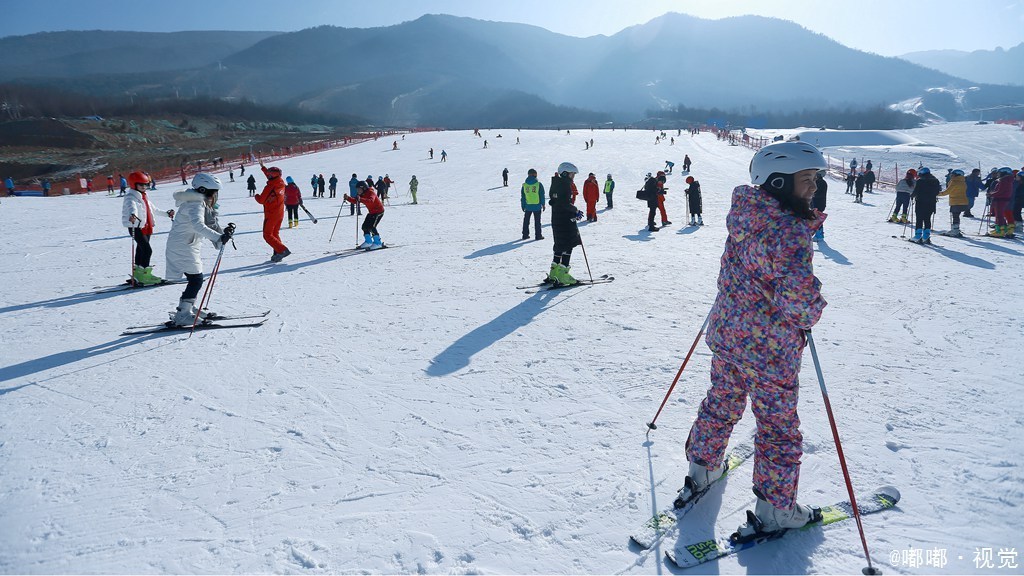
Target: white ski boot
[(185, 314), (767, 520), (698, 479)]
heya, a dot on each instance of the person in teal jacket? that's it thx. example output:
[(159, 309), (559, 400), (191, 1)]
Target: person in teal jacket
[(531, 198)]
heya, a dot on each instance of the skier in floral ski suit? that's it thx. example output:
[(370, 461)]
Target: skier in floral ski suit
[(767, 297)]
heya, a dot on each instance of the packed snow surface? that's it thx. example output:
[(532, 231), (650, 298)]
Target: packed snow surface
[(411, 410)]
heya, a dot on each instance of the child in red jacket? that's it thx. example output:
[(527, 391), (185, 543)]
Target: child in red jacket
[(374, 212), (292, 201)]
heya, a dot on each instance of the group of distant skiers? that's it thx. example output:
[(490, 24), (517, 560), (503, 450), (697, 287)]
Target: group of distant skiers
[(1004, 200), (196, 218)]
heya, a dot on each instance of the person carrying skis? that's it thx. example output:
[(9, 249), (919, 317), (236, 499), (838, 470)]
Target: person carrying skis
[(353, 194), (693, 200), (686, 163), (609, 188), (333, 182), (292, 201), (590, 196), (374, 212), (194, 221), (564, 216), (250, 183), (531, 199), (767, 297), (957, 192), (925, 194), (272, 199), (137, 215), (413, 185)]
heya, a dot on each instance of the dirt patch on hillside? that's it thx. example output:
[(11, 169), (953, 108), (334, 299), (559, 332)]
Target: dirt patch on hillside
[(66, 150)]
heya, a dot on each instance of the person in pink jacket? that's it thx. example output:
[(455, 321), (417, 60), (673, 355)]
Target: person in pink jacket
[(767, 297)]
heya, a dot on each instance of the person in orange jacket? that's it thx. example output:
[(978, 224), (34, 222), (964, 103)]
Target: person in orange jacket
[(272, 199), (590, 196)]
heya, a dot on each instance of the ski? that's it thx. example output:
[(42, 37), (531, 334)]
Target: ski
[(548, 283), (201, 326), (357, 249), (687, 556), (211, 318), (662, 523), (129, 285), (311, 217), (564, 286), (1014, 237)]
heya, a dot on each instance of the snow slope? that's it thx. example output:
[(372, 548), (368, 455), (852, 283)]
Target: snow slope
[(410, 410)]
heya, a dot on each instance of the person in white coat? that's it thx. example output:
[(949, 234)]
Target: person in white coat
[(137, 216), (194, 221)]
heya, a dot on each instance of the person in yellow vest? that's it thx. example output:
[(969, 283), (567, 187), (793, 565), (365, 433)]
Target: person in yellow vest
[(531, 198), (958, 202), (609, 187)]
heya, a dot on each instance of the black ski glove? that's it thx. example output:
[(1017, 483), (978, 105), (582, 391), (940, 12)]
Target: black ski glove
[(228, 233)]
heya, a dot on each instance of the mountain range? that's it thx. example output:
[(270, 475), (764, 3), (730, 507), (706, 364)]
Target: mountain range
[(997, 66), (441, 70)]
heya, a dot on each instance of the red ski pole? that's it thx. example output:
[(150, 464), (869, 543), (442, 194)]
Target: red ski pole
[(842, 459), (651, 425)]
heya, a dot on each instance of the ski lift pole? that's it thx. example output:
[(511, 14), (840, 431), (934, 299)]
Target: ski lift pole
[(651, 425), (869, 570)]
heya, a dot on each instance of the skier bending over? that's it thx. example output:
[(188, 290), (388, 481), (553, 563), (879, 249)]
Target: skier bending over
[(195, 220), (137, 215), (374, 212), (767, 297), (564, 216)]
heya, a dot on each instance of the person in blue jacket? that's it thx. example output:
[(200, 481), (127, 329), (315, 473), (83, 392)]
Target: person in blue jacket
[(124, 185), (974, 186), (354, 207), (531, 198), (9, 184)]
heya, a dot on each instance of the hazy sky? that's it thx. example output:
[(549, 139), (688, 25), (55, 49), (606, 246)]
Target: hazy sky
[(887, 27)]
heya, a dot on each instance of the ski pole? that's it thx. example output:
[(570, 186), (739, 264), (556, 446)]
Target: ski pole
[(209, 289), (131, 276), (985, 216), (585, 261), (913, 203), (893, 207), (336, 222), (839, 450), (651, 425)]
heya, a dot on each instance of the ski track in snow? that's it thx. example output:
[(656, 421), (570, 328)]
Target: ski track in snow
[(410, 411)]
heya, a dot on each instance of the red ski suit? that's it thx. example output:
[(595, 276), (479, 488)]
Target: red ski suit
[(590, 196), (272, 199)]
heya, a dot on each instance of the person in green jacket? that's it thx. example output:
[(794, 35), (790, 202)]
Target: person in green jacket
[(531, 198), (609, 187), (413, 184)]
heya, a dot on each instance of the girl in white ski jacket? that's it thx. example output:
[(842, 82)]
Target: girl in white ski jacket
[(194, 221)]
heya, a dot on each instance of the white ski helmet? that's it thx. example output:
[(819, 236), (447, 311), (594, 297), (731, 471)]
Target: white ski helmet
[(785, 158), (567, 167), (203, 182)]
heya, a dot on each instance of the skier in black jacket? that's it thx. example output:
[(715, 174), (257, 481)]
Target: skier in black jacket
[(564, 216), (925, 195), (819, 201)]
